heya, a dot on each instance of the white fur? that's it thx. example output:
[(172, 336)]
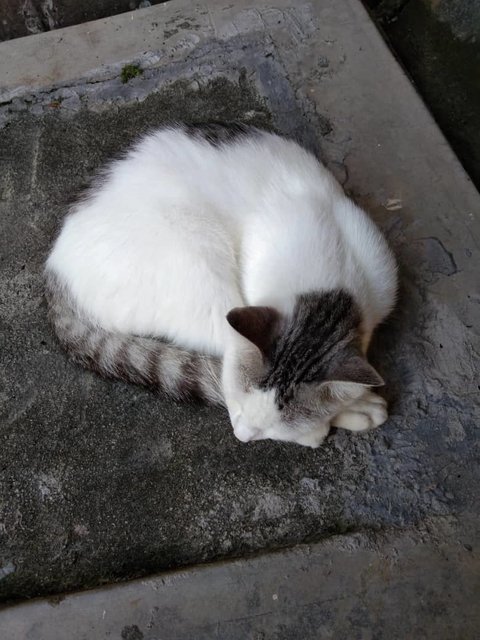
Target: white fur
[(182, 231), (368, 412)]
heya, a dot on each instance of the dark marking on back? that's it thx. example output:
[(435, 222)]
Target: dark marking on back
[(219, 133), (322, 327)]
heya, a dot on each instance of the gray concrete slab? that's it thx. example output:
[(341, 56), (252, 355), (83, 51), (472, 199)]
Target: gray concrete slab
[(102, 481), (399, 588)]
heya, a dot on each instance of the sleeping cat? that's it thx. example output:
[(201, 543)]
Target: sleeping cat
[(225, 263)]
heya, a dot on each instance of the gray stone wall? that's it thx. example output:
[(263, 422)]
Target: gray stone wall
[(462, 16), (24, 17)]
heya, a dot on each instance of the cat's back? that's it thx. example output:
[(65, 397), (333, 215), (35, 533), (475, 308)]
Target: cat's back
[(228, 166)]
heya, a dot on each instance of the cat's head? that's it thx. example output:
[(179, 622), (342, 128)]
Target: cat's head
[(289, 376)]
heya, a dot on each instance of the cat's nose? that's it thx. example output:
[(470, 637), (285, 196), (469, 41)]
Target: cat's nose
[(243, 432)]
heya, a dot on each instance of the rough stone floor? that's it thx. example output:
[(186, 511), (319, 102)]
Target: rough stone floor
[(102, 482)]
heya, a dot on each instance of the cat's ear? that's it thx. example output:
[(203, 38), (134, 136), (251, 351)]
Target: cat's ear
[(256, 324), (355, 368)]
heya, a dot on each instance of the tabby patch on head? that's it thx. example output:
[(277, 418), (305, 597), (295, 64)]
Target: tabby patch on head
[(319, 343), (300, 369)]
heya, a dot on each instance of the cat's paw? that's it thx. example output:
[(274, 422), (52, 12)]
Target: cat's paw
[(313, 439), (367, 413)]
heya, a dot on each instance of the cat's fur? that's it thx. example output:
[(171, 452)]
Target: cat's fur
[(225, 262)]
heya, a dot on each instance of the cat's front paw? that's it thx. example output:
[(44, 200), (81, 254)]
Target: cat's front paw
[(313, 439), (367, 413)]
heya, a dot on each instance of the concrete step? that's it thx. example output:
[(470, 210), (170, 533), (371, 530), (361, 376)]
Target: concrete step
[(103, 482), (344, 587)]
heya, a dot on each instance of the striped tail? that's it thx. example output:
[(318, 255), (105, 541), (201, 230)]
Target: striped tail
[(147, 361)]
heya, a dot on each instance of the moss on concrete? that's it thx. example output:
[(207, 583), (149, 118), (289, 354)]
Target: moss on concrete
[(129, 72)]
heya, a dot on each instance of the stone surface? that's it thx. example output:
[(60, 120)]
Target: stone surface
[(102, 481), (438, 42), (462, 17), (345, 587)]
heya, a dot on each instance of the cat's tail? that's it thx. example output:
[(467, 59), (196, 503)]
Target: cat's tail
[(179, 373)]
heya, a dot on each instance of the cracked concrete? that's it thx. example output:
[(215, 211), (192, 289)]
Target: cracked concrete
[(102, 481)]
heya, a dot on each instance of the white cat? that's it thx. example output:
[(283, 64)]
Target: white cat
[(225, 262)]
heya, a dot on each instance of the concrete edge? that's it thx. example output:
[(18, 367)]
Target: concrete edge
[(157, 37), (290, 587), (93, 50)]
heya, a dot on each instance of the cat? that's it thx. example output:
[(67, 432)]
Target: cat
[(224, 262)]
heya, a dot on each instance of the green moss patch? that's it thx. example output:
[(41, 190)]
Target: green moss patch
[(130, 71)]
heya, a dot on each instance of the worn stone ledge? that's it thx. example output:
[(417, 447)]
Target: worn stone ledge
[(346, 586)]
